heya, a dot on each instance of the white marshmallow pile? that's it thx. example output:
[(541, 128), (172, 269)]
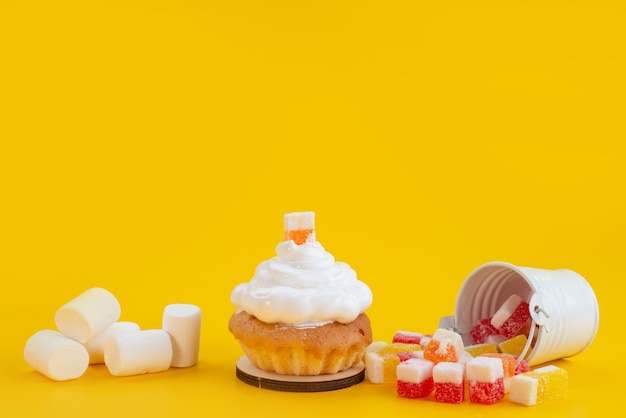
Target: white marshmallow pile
[(89, 332)]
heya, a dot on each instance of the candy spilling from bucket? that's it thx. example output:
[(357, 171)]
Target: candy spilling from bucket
[(563, 308)]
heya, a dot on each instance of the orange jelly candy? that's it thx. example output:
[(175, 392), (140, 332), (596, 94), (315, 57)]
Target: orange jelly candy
[(299, 226)]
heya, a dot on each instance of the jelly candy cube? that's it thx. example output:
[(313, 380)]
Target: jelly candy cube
[(407, 337), (449, 379), (511, 316), (415, 378), (445, 345), (485, 376), (381, 360), (514, 345), (482, 330), (476, 350), (544, 384)]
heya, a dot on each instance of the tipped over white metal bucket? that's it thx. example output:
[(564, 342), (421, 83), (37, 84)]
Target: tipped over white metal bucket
[(563, 307)]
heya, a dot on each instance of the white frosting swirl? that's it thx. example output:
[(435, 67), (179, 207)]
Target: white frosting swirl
[(304, 286)]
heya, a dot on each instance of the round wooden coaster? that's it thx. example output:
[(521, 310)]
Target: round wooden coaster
[(252, 375)]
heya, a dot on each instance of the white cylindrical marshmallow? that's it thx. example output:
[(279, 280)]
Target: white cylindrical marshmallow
[(95, 346), (56, 356), (183, 322), (147, 351), (88, 314)]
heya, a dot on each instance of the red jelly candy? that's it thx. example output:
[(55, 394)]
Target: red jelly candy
[(449, 392), (415, 390), (407, 337), (522, 366), (405, 355), (486, 393), (482, 330)]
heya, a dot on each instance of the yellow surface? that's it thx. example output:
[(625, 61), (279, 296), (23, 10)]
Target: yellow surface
[(152, 148)]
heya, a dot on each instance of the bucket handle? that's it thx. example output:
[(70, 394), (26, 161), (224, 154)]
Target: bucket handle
[(531, 334), (541, 317)]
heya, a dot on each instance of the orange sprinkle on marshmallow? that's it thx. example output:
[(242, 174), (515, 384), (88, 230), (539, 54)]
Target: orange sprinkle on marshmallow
[(300, 227)]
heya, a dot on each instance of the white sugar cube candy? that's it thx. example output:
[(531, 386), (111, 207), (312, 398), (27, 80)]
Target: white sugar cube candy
[(484, 369), (56, 356), (523, 389), (88, 314), (374, 366), (182, 322), (148, 351), (506, 310), (447, 372), (415, 370)]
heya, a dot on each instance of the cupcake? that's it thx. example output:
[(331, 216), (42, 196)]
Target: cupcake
[(302, 313)]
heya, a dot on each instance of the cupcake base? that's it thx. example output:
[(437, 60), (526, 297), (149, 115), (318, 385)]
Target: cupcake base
[(290, 350), (248, 373)]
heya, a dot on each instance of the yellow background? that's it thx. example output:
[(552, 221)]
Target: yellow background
[(152, 148)]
